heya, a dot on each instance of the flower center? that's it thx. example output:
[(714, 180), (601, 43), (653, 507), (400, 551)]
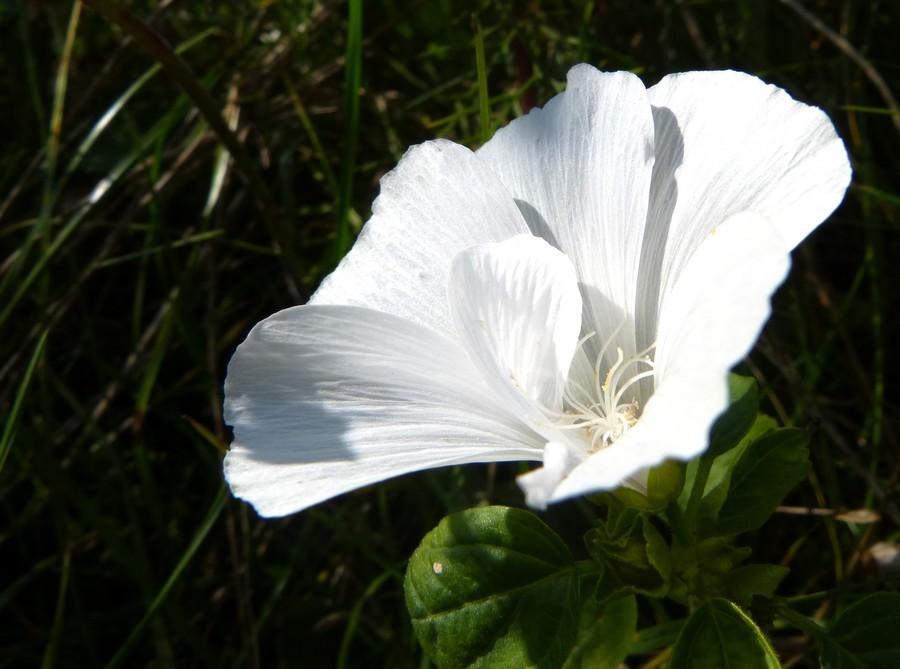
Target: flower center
[(605, 410)]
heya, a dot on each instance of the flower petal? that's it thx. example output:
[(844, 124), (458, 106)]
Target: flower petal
[(437, 201), (326, 399), (727, 142), (540, 484), (710, 320), (517, 309), (580, 171)]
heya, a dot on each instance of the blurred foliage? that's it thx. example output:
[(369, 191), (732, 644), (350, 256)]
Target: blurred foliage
[(145, 254)]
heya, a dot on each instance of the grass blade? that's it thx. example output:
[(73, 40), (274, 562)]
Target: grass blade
[(214, 510), (52, 152), (352, 78), (102, 188), (12, 420), (176, 68), (483, 109)]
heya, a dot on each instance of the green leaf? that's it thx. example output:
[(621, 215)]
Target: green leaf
[(655, 638), (724, 464), (728, 437), (605, 633), (637, 555), (493, 587), (767, 470), (731, 426), (741, 585), (865, 635), (658, 554), (719, 634), (719, 478)]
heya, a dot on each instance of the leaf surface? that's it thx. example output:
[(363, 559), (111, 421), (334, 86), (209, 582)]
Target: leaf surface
[(866, 635), (718, 634), (494, 587)]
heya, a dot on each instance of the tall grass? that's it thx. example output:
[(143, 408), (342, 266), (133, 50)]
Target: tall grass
[(173, 172)]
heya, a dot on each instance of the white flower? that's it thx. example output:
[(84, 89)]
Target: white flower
[(574, 292)]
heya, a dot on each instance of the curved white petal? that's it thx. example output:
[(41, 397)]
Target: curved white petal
[(709, 321), (539, 485), (437, 201), (326, 399), (517, 310), (580, 170), (712, 318), (727, 142)]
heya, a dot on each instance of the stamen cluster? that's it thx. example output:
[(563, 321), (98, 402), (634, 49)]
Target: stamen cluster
[(601, 410)]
